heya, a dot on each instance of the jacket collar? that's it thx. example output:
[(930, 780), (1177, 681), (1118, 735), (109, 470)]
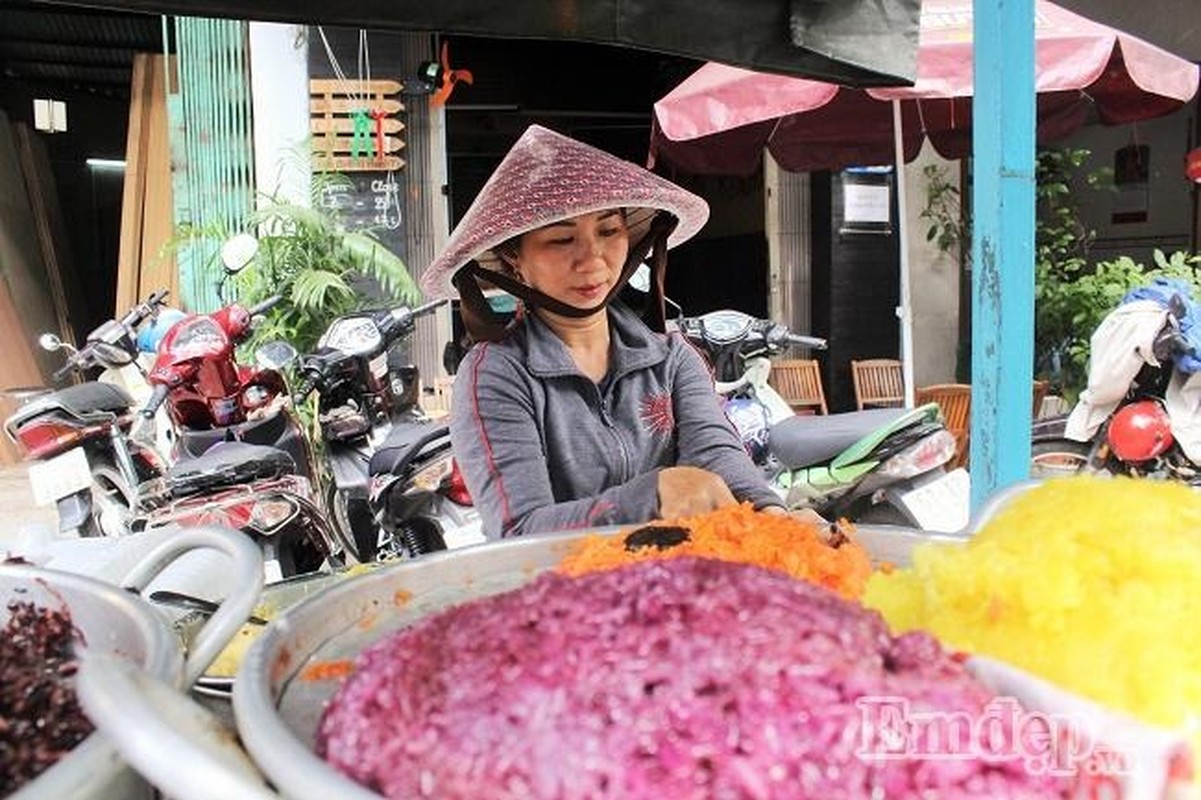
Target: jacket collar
[(636, 346)]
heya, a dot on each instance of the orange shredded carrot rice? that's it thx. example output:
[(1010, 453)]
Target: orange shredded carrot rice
[(741, 534)]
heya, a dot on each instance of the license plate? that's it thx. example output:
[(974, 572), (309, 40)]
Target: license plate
[(943, 504), (61, 476), (379, 365)]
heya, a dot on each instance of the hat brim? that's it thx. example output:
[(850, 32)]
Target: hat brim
[(546, 178)]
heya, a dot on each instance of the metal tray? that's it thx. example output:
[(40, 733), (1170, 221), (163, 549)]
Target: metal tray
[(278, 708)]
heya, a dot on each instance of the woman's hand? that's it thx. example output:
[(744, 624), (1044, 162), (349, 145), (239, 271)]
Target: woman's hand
[(686, 491)]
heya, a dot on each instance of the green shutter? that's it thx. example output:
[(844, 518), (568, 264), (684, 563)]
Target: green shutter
[(212, 146)]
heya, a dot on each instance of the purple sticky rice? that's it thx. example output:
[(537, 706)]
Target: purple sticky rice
[(684, 678)]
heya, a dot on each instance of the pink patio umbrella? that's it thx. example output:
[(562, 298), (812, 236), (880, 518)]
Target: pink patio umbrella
[(720, 119)]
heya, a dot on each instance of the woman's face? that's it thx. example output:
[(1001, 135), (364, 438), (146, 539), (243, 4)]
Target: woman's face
[(576, 261)]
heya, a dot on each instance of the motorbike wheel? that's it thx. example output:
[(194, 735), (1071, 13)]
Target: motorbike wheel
[(113, 500), (1058, 457), (346, 519)]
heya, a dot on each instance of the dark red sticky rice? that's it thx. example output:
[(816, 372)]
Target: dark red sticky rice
[(40, 717), (685, 678)]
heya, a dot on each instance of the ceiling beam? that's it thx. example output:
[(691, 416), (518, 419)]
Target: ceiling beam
[(154, 44), (98, 56), (69, 73)]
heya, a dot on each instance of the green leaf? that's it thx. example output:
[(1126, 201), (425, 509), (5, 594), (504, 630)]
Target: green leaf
[(317, 289), (370, 257)]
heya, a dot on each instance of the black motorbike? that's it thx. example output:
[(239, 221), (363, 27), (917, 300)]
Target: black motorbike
[(394, 489)]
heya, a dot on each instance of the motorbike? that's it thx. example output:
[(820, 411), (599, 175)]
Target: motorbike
[(882, 466), (241, 457), (79, 436), (395, 490), (1138, 415)]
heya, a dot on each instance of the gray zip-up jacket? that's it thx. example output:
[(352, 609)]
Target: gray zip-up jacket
[(542, 447)]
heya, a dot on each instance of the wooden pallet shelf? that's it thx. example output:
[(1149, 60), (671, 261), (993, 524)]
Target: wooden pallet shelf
[(336, 148)]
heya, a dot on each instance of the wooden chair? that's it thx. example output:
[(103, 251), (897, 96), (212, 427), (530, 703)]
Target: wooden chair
[(435, 400), (1040, 394), (955, 402), (799, 382), (878, 382)]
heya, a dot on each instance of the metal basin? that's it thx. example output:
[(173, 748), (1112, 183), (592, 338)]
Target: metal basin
[(118, 624), (278, 706), (109, 621)]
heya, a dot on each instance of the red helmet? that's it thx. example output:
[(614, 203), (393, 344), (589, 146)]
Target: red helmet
[(1140, 431)]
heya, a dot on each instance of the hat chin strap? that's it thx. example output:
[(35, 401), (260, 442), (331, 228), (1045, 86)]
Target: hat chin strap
[(485, 324)]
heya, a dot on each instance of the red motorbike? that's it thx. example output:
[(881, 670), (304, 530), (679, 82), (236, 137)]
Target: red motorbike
[(77, 436), (241, 458)]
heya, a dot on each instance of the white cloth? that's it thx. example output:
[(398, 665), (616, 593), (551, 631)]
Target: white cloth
[(1183, 404), (1118, 349)]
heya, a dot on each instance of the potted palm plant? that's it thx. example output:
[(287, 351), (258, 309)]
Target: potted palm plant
[(320, 267)]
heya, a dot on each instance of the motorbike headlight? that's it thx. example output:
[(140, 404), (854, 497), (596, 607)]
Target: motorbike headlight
[(269, 514), (198, 337), (353, 336)]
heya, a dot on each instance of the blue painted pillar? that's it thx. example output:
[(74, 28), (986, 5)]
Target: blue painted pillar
[(1002, 244)]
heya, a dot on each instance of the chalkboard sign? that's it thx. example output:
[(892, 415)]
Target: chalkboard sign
[(370, 201)]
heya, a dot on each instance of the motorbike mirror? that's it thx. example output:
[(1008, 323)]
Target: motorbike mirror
[(238, 251), (50, 342), (275, 355)]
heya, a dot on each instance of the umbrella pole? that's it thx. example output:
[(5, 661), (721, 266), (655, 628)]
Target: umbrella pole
[(905, 309)]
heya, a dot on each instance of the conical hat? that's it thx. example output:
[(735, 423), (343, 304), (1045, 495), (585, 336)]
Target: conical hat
[(547, 177)]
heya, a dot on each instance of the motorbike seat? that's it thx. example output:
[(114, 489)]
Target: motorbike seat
[(805, 440), (267, 431), (226, 464), (404, 443), (88, 401)]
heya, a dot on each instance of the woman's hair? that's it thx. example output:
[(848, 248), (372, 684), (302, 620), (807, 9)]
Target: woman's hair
[(506, 252)]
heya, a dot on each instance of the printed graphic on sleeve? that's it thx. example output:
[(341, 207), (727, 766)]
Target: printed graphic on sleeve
[(657, 415)]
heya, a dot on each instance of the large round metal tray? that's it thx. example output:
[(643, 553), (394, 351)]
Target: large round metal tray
[(277, 706)]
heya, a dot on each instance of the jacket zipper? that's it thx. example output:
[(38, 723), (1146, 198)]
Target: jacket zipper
[(607, 421)]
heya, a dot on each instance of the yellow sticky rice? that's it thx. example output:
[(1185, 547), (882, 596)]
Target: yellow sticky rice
[(227, 662), (1093, 583)]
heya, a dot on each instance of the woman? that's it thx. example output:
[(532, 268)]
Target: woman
[(577, 413)]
